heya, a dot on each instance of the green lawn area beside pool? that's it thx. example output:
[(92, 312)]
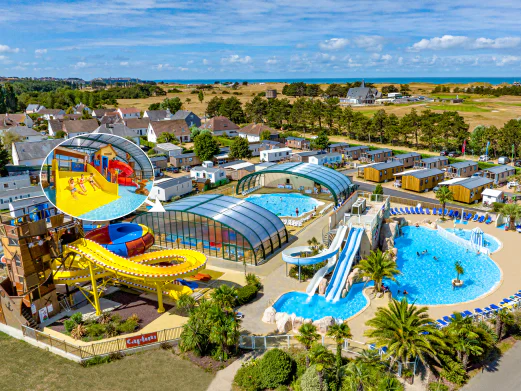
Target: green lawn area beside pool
[(25, 367)]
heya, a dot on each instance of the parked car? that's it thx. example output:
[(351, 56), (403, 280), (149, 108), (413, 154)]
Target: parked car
[(476, 175), (444, 152), (436, 188), (172, 169), (454, 154), (503, 160), (512, 184), (484, 158), (187, 168), (517, 163)]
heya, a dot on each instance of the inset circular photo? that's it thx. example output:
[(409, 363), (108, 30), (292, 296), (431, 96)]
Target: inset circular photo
[(97, 177)]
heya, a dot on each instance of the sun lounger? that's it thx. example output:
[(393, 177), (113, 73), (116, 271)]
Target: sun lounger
[(476, 217), (494, 307), (434, 211), (479, 311), (418, 212), (456, 214), (447, 319), (466, 313), (440, 212), (469, 216), (451, 213), (442, 323), (403, 212), (407, 210), (427, 211), (489, 220), (481, 219)]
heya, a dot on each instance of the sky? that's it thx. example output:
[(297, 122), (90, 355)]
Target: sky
[(256, 39)]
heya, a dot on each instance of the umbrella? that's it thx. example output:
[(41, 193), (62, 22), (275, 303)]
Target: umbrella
[(476, 237)]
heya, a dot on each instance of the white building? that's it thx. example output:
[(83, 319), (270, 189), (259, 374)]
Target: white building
[(328, 158), (48, 114), (13, 188), (169, 149), (129, 112), (275, 155), (491, 195), (14, 182), (207, 171), (167, 188), (24, 205), (32, 153), (25, 133)]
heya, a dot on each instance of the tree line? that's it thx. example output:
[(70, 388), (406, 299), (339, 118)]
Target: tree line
[(500, 90)]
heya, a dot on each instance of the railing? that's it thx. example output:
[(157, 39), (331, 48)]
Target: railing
[(462, 242), (106, 347)]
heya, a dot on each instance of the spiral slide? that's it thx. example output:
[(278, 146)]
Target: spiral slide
[(124, 178)]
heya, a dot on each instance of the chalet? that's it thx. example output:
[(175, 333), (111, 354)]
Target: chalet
[(77, 128), (54, 126), (176, 127), (51, 114), (214, 174), (32, 153), (376, 156), (220, 126), (326, 158), (10, 120), (98, 113), (275, 155), (129, 112), (298, 143), (189, 117), (24, 133), (354, 153), (462, 169), (159, 163), (380, 172), (498, 174), (168, 149), (168, 188), (238, 169), (157, 115), (303, 157), (252, 132), (421, 180), (337, 147), (469, 190), (439, 162), (184, 160), (361, 96), (407, 159), (138, 125)]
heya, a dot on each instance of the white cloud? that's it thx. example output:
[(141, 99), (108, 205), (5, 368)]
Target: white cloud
[(80, 64), (183, 69), (236, 59), (353, 64), (400, 60), (163, 67), (370, 43), (40, 52), (387, 57), (450, 42), (124, 63), (506, 60), (189, 62), (301, 45), (334, 44), (7, 49), (205, 61), (272, 61)]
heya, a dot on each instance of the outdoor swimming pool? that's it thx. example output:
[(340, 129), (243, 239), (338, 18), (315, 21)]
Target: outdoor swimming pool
[(490, 242), (285, 204), (429, 281), (318, 307)]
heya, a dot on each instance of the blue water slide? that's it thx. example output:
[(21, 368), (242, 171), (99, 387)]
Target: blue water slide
[(344, 264)]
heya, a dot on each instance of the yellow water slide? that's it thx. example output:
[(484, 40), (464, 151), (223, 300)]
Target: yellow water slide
[(154, 271)]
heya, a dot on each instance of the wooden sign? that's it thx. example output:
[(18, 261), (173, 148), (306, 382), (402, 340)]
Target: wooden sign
[(144, 339)]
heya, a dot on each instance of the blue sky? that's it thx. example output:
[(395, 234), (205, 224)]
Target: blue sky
[(156, 39)]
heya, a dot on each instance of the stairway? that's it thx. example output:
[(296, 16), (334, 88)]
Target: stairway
[(26, 313)]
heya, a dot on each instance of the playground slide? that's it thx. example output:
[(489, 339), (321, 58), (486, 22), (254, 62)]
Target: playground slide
[(344, 264), (124, 178), (323, 271)]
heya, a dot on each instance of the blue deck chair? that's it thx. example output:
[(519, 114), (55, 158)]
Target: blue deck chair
[(434, 211), (446, 211), (392, 211), (418, 211), (407, 210), (451, 213), (403, 212), (489, 220), (413, 212), (488, 309), (494, 307), (427, 211), (447, 319), (442, 323), (467, 313), (469, 216), (479, 311), (476, 217), (456, 214), (481, 219), (372, 346)]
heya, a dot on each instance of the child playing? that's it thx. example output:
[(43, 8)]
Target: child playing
[(93, 183), (72, 188), (81, 182)]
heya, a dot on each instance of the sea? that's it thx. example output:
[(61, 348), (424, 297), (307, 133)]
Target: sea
[(376, 80)]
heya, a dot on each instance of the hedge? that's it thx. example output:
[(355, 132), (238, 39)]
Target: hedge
[(276, 368), (246, 294)]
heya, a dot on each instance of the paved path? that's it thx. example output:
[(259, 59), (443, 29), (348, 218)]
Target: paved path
[(505, 376), (223, 379)]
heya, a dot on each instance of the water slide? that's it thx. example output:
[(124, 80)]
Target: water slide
[(124, 178), (146, 271), (344, 264), (323, 271)]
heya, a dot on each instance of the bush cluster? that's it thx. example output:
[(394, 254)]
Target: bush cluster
[(246, 294), (105, 326)]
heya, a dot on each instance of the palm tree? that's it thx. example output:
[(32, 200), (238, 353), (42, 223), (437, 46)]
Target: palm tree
[(339, 332), (406, 330), (185, 302), (503, 317), (378, 266), (315, 246), (459, 270), (322, 357), (513, 211), (307, 336), (225, 296), (444, 195), (464, 338)]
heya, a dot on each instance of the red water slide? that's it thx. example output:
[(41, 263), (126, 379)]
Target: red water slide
[(125, 172)]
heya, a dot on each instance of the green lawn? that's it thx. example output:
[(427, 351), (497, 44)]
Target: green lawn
[(459, 107), (25, 367)]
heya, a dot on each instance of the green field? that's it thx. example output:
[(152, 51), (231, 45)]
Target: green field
[(25, 367), (469, 108)]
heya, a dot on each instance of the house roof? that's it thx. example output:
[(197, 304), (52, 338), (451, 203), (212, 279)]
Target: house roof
[(384, 166), (326, 155), (110, 119), (275, 150), (102, 112), (219, 123), (168, 147), (420, 174), (472, 183), (129, 110), (406, 155), (11, 119), (55, 124), (80, 126), (499, 169), (309, 153), (464, 164), (362, 93), (158, 158), (158, 115), (492, 193), (295, 138), (116, 129), (338, 145), (33, 107), (175, 126), (23, 131), (269, 142), (356, 148), (51, 111), (206, 169), (435, 159), (256, 129), (137, 123), (376, 151), (238, 165), (182, 114), (166, 183), (35, 149)]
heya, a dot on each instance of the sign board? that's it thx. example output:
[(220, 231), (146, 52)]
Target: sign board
[(33, 309), (140, 340), (50, 308), (44, 315)]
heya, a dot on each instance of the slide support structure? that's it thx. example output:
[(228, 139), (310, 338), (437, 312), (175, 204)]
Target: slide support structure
[(94, 289), (160, 307)]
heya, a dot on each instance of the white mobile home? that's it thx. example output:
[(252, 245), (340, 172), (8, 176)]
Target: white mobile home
[(275, 155), (165, 189)]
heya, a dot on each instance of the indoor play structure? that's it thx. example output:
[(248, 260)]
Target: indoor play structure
[(87, 260)]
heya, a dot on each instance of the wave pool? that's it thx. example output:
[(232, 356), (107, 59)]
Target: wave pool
[(490, 241), (285, 204)]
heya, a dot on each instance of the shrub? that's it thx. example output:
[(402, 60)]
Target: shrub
[(299, 356), (128, 326), (437, 387), (309, 380), (114, 356), (252, 279), (276, 367), (134, 317), (77, 317), (69, 324), (95, 361), (111, 330), (248, 378), (246, 294), (79, 331), (95, 330)]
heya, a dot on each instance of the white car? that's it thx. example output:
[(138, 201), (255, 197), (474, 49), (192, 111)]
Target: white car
[(512, 184), (483, 158)]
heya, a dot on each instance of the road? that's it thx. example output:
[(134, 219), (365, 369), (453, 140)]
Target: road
[(504, 376)]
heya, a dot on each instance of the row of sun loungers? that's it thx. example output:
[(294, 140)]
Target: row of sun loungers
[(467, 216), (508, 303)]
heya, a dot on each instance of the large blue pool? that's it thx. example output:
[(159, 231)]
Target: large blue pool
[(490, 242), (429, 281), (285, 204), (317, 308)]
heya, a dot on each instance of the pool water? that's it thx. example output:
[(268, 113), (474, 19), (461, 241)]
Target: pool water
[(429, 281), (490, 242), (285, 204), (127, 203), (317, 308)]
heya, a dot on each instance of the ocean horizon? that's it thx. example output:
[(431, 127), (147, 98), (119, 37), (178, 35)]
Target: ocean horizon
[(377, 80)]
